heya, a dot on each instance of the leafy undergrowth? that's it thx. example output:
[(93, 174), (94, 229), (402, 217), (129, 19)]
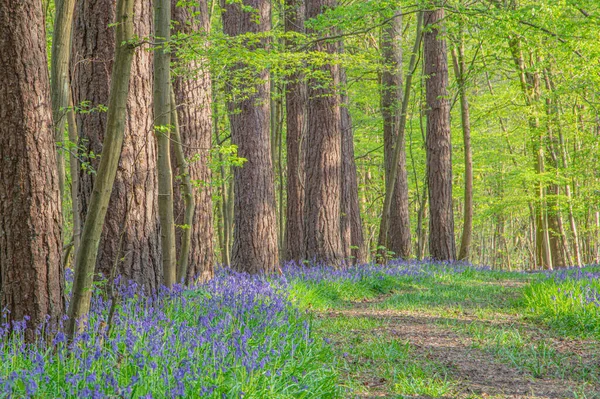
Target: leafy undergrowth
[(568, 300), (294, 335), (233, 337), (498, 312)]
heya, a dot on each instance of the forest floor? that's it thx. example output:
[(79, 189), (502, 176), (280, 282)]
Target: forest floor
[(463, 337)]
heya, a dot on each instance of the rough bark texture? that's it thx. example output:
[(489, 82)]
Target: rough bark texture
[(353, 242), (398, 234), (255, 248), (439, 150), (193, 96), (131, 235), (323, 160), (295, 100), (31, 275)]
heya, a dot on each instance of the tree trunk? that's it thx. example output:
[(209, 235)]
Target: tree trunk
[(353, 242), (182, 166), (75, 167), (439, 149), (255, 225), (397, 237), (324, 158), (295, 98), (131, 230), (194, 110), (460, 72), (31, 275), (162, 131), (85, 263), (59, 78)]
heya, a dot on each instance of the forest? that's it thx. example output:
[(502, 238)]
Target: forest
[(300, 199)]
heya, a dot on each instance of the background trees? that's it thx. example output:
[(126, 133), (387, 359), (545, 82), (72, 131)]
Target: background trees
[(522, 186)]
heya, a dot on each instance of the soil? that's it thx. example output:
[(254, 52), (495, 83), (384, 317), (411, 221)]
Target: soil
[(479, 374)]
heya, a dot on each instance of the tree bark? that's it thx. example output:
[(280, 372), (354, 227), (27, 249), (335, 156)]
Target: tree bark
[(323, 160), (193, 97), (31, 272), (131, 232), (295, 99), (396, 215), (458, 57), (255, 225), (85, 263), (439, 149)]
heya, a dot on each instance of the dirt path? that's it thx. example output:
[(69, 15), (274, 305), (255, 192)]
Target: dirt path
[(478, 374)]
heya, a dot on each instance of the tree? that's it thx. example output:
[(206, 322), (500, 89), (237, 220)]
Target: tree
[(295, 100), (131, 237), (162, 115), (397, 237), (85, 263), (31, 275), (395, 156), (255, 248), (439, 149), (324, 158), (61, 51), (353, 242), (193, 97), (458, 61)]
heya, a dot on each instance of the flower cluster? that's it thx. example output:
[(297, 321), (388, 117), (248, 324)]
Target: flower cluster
[(394, 268), (235, 336)]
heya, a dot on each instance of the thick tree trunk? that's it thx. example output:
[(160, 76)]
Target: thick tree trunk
[(353, 242), (323, 160), (85, 262), (439, 149), (131, 230), (255, 225), (295, 98), (194, 110), (460, 72), (31, 275), (398, 238)]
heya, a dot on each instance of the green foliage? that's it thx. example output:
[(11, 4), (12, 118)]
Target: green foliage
[(571, 305)]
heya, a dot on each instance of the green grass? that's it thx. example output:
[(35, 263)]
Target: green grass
[(570, 306), (371, 358), (519, 318), (323, 295)]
